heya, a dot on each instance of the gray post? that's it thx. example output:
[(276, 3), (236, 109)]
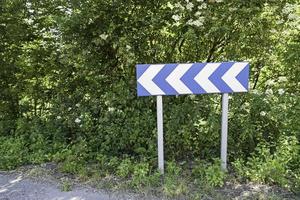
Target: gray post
[(224, 131), (160, 137)]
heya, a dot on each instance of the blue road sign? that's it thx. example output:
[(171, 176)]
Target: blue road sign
[(192, 78)]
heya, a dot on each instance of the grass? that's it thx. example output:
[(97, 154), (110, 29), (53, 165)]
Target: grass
[(66, 185), (176, 184)]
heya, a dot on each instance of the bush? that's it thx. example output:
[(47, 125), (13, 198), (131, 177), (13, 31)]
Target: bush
[(209, 173), (13, 152), (140, 174), (125, 169), (143, 177), (73, 158), (273, 168), (39, 148), (174, 183)]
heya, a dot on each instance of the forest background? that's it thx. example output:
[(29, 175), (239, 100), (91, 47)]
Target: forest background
[(68, 87)]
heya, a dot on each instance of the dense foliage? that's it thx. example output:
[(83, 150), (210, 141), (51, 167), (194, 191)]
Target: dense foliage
[(68, 88)]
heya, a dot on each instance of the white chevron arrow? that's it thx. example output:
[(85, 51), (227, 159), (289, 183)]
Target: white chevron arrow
[(202, 78), (174, 79), (146, 79), (230, 77)]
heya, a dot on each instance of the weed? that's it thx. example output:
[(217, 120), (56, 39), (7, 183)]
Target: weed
[(13, 152), (125, 169), (209, 173), (66, 186), (174, 184)]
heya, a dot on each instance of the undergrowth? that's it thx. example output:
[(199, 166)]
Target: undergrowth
[(266, 165)]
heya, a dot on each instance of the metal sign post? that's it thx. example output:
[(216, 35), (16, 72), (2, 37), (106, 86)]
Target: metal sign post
[(192, 78), (224, 131), (160, 136)]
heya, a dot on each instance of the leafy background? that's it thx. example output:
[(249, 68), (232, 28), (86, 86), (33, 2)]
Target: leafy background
[(68, 88)]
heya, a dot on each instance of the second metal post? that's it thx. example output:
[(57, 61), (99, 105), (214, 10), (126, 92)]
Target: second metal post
[(224, 131), (160, 136)]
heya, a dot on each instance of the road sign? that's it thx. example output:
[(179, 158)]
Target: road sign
[(192, 78)]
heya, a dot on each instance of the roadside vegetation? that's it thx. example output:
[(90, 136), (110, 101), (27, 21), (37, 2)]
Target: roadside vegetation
[(68, 92)]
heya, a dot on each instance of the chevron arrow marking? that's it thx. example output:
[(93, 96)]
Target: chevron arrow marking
[(174, 79), (204, 74), (192, 78), (230, 77), (146, 79)]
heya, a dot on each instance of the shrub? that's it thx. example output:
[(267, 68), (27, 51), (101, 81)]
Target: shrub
[(273, 168), (125, 169), (13, 152), (39, 149), (142, 176), (174, 183), (73, 158), (209, 173), (140, 173)]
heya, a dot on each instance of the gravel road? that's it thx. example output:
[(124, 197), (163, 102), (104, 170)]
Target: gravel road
[(18, 187)]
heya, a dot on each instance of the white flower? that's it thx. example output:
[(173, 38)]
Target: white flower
[(28, 21), (77, 104), (270, 82), (269, 92), (246, 106), (128, 47), (281, 21), (68, 11), (179, 6), (28, 4), (198, 13), (293, 16), (198, 22), (111, 109), (281, 91), (262, 113), (69, 108), (58, 117), (190, 22), (199, 0), (282, 79), (77, 120), (232, 9), (288, 8), (169, 5), (203, 6), (189, 6), (176, 17), (103, 36), (176, 24)]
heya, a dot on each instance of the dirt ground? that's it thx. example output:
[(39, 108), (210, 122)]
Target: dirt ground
[(36, 183), (18, 187)]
